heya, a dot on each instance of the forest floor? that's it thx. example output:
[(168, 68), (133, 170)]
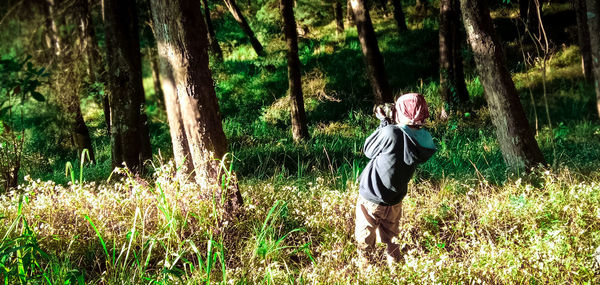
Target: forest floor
[(465, 218)]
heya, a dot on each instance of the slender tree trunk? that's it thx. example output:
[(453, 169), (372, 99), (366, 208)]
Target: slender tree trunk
[(154, 67), (53, 37), (517, 142), (373, 59), (528, 15), (130, 141), (299, 127), (593, 21), (339, 17), (349, 13), (399, 16), (453, 89), (583, 35), (183, 46), (89, 44), (239, 17), (214, 44)]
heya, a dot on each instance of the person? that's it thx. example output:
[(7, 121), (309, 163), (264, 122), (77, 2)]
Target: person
[(394, 151)]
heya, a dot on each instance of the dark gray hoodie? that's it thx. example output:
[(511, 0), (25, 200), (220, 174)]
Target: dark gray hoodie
[(395, 151)]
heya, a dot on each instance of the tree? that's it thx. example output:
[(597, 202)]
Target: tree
[(130, 141), (89, 43), (593, 21), (239, 17), (373, 59), (517, 142), (399, 16), (153, 60), (299, 128), (453, 89), (583, 36), (349, 13), (339, 17), (182, 44), (214, 45), (528, 15)]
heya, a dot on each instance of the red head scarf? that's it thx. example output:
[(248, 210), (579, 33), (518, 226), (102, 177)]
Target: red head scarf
[(411, 109)]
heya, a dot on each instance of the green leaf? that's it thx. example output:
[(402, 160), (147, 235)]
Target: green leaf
[(38, 96)]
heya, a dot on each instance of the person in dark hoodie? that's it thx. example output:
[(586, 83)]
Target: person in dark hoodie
[(395, 150)]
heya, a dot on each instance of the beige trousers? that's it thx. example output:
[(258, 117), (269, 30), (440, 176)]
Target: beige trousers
[(369, 218)]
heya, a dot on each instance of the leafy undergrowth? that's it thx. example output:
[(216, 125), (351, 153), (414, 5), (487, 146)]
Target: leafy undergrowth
[(539, 228)]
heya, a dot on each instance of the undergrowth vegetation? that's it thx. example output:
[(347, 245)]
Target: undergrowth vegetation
[(465, 219)]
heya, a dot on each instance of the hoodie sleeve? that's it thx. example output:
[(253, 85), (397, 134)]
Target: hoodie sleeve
[(379, 141)]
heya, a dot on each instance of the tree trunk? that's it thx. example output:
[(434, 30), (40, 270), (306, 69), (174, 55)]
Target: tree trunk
[(183, 46), (528, 15), (339, 17), (53, 38), (373, 59), (453, 89), (593, 21), (239, 17), (130, 141), (349, 13), (299, 127), (583, 35), (181, 150), (517, 142), (89, 43), (399, 16), (154, 67), (214, 44)]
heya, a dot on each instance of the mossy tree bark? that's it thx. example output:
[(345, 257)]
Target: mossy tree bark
[(453, 89), (130, 141), (373, 59), (214, 44), (399, 16), (299, 127), (517, 142), (583, 37), (239, 17), (593, 21), (183, 43)]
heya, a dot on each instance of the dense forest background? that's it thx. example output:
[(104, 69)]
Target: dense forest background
[(275, 99)]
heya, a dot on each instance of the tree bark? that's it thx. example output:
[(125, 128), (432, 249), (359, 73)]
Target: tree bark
[(517, 142), (339, 17), (214, 44), (373, 59), (53, 38), (154, 67), (239, 17), (130, 141), (183, 44), (299, 127), (583, 36), (89, 43), (453, 89), (399, 16), (593, 21)]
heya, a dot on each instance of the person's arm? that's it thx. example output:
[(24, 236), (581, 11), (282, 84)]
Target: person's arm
[(378, 141)]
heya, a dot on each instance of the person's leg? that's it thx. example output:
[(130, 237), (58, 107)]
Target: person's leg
[(366, 225), (389, 228)]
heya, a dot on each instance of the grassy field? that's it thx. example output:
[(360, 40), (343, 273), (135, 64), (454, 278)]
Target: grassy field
[(465, 219)]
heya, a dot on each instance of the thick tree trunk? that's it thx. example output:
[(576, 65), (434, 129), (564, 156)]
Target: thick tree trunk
[(593, 21), (453, 89), (214, 44), (517, 142), (339, 17), (399, 16), (299, 127), (583, 35), (183, 46), (239, 17), (181, 150), (130, 141), (373, 59)]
